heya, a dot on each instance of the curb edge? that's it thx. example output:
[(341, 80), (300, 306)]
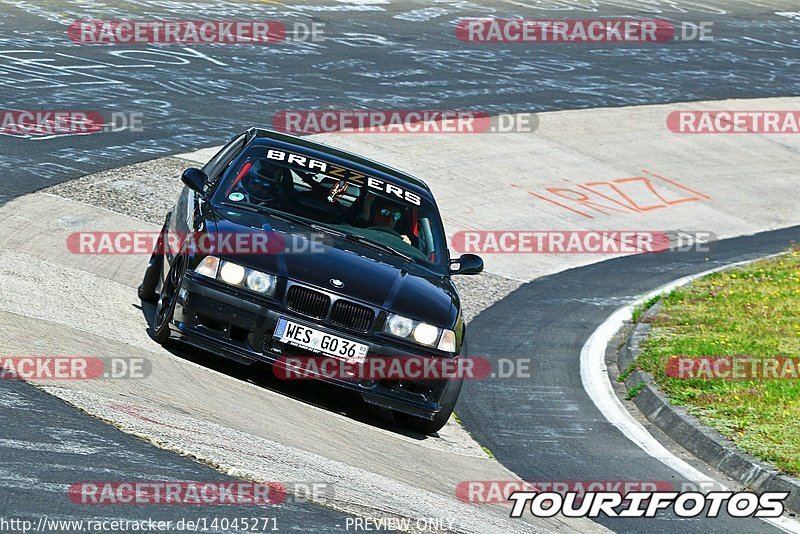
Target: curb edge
[(702, 441)]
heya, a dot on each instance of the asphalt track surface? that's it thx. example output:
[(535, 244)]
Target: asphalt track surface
[(546, 428), (399, 55), (47, 447)]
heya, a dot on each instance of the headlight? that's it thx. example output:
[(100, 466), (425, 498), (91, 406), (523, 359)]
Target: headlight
[(425, 334), (236, 275), (419, 332), (399, 326), (261, 282), (208, 267), (231, 273)]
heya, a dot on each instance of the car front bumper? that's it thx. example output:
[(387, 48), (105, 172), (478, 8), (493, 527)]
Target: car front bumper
[(212, 316)]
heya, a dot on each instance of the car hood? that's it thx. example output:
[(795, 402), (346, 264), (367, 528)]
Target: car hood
[(400, 287)]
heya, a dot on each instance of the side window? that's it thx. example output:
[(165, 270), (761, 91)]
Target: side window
[(426, 236), (219, 163)]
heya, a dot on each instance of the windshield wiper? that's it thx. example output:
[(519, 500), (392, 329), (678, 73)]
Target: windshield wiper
[(272, 213), (298, 220), (362, 240), (379, 246), (327, 229)]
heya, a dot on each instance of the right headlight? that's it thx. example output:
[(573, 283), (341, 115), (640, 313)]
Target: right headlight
[(236, 275), (420, 333)]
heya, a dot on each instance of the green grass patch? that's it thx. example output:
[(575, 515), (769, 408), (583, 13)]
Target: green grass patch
[(751, 311), (639, 310), (634, 391), (623, 376)]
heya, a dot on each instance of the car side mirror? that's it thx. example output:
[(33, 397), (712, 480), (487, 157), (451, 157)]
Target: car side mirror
[(195, 179), (467, 264)]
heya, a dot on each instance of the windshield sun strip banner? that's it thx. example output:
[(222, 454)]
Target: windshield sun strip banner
[(348, 175)]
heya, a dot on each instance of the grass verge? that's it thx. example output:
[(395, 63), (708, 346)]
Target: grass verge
[(751, 311)]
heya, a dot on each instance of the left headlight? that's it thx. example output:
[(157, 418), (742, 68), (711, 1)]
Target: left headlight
[(236, 275), (261, 282), (419, 332)]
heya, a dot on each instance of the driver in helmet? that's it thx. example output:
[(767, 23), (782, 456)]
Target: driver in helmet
[(263, 184), (385, 215)]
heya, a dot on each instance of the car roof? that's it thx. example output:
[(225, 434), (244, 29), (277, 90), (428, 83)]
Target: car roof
[(342, 157)]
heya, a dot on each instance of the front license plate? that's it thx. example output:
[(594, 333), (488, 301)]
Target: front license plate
[(317, 341)]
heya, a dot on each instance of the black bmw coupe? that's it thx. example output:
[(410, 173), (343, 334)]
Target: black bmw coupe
[(290, 248)]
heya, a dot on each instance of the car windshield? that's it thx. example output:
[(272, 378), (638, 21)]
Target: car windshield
[(362, 208)]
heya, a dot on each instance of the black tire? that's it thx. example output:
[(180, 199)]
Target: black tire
[(165, 308), (152, 274), (428, 426)]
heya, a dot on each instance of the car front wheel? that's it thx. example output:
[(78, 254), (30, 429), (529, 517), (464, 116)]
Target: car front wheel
[(430, 426), (165, 308)]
